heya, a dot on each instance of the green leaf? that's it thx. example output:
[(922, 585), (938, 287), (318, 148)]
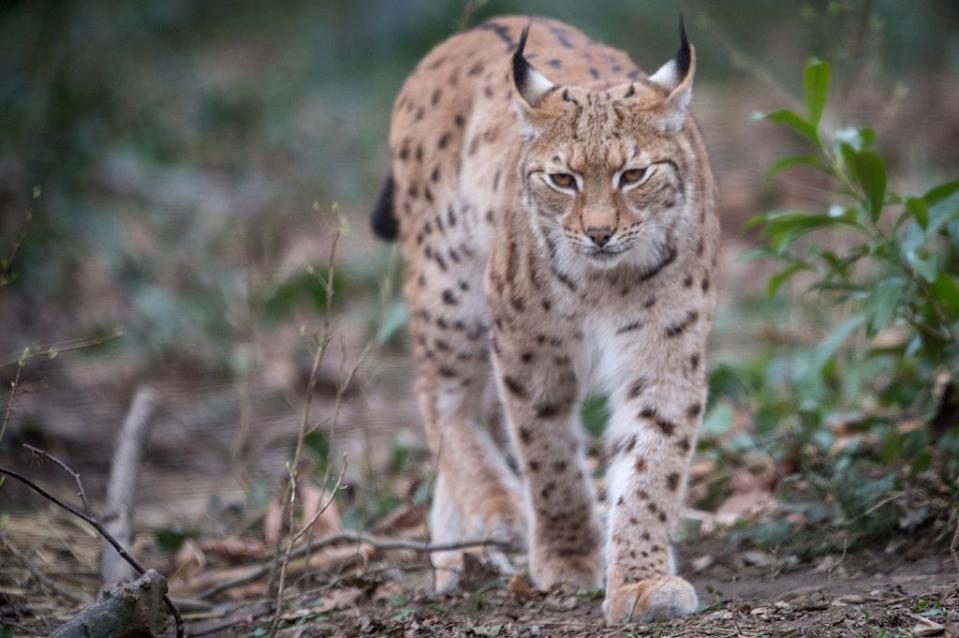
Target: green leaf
[(789, 162), (919, 210), (718, 421), (816, 85), (319, 442), (754, 254), (941, 192), (784, 228), (394, 319), (946, 292), (850, 160), (926, 265), (169, 539), (795, 122), (828, 347), (872, 175), (881, 304), (776, 281)]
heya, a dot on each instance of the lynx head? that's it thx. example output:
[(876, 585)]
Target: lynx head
[(603, 168)]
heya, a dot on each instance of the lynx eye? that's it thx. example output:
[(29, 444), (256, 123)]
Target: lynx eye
[(563, 180), (632, 176)]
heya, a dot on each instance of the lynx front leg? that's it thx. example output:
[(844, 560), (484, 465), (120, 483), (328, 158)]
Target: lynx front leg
[(540, 394), (653, 431)]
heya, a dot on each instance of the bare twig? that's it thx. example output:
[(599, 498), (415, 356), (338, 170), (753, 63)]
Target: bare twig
[(42, 578), (343, 538), (740, 60), (54, 349), (6, 263), (125, 468), (103, 532), (469, 9), (289, 548), (69, 470), (281, 558), (14, 386)]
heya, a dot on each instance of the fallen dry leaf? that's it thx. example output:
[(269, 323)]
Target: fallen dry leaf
[(273, 523), (189, 560), (520, 587), (407, 521), (234, 549), (314, 500)]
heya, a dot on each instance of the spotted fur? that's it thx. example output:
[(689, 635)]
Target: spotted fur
[(527, 291)]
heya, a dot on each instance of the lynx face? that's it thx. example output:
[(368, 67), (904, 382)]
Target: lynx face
[(602, 168)]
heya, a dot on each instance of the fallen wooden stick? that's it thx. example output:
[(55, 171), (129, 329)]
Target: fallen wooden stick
[(118, 516), (356, 538), (129, 610)]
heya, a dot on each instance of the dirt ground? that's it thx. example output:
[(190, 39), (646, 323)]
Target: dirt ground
[(864, 594), (906, 588)]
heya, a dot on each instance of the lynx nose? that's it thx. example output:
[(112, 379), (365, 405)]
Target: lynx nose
[(599, 234)]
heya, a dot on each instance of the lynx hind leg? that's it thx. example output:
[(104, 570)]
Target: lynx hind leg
[(446, 526), (477, 495)]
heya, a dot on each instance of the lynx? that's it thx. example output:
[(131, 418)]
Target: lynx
[(555, 208)]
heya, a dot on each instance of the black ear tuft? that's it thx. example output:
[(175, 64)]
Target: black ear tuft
[(683, 55), (520, 65)]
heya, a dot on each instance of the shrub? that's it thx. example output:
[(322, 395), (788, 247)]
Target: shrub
[(893, 270), (861, 426)]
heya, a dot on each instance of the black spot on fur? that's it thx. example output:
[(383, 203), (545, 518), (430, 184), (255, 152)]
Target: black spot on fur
[(634, 325), (636, 388), (548, 410), (679, 327), (514, 386), (672, 481)]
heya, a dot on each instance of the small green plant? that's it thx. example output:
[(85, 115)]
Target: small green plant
[(888, 261), (861, 425)]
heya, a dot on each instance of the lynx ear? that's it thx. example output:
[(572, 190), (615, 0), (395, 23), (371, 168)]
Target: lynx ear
[(531, 85), (676, 76)]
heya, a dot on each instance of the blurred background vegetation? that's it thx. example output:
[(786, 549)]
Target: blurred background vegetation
[(171, 166)]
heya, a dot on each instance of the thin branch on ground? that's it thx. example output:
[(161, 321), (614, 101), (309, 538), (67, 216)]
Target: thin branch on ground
[(69, 470), (42, 578), (376, 542), (124, 470), (103, 532)]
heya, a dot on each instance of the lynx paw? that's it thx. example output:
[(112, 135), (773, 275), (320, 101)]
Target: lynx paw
[(578, 572), (650, 600), (501, 518)]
